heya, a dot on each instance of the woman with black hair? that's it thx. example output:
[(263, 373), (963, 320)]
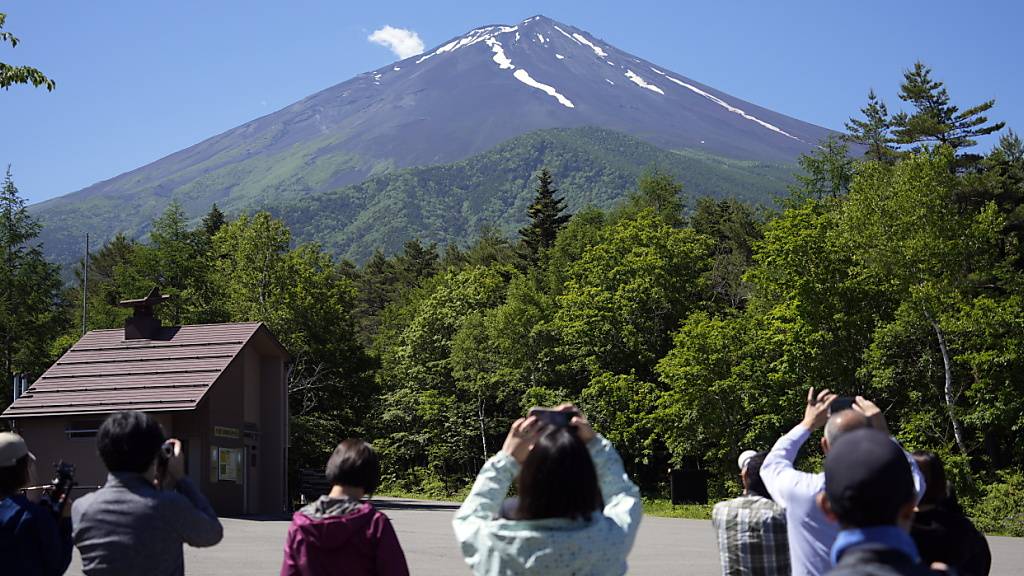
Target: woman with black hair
[(941, 530), (342, 533), (577, 511)]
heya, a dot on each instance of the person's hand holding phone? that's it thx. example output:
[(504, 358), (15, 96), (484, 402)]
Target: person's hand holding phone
[(522, 436), (872, 412), (817, 410), (578, 421), (175, 467)]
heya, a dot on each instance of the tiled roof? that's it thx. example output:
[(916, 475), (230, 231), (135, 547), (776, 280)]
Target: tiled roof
[(103, 372)]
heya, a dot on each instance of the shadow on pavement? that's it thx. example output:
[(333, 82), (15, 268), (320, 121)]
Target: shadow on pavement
[(404, 504)]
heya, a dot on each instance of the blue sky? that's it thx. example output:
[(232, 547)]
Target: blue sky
[(139, 80)]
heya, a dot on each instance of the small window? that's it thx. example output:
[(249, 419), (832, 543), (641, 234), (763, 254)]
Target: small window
[(82, 429)]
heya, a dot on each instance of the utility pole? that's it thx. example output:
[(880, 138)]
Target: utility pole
[(85, 287)]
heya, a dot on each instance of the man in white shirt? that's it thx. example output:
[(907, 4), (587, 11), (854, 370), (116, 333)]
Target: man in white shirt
[(811, 534)]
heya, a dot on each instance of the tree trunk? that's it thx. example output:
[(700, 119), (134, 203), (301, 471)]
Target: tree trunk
[(950, 398), (483, 435)]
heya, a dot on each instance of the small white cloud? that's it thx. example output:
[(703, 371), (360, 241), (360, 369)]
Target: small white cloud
[(402, 42)]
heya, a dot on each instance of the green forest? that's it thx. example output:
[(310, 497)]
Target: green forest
[(688, 329)]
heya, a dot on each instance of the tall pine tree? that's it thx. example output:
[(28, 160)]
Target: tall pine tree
[(546, 217), (935, 120), (213, 221), (874, 131), (31, 295)]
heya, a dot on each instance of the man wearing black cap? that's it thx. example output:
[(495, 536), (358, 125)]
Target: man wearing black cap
[(869, 491)]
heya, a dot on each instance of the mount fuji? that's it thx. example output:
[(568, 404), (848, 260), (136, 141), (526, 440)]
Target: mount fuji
[(460, 99)]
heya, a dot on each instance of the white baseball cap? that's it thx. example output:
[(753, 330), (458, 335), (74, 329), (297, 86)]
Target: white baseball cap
[(746, 455), (12, 448)]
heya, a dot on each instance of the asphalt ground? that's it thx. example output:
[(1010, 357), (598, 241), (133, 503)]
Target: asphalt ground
[(663, 546)]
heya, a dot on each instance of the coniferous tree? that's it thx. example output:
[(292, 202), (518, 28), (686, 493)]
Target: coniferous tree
[(377, 285), (874, 131), (546, 217), (103, 291), (828, 172), (213, 221), (935, 120), (31, 298), (417, 262)]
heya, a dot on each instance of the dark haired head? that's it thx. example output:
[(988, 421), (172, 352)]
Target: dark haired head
[(752, 476), (934, 475), (558, 479), (14, 478), (354, 463), (129, 441)]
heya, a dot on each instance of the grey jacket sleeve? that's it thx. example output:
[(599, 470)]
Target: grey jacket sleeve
[(189, 513)]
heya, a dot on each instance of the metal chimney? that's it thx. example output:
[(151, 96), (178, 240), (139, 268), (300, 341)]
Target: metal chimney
[(143, 324)]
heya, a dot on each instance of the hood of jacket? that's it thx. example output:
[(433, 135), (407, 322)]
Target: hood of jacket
[(334, 522)]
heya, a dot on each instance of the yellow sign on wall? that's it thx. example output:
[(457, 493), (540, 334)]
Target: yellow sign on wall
[(229, 465), (226, 432)]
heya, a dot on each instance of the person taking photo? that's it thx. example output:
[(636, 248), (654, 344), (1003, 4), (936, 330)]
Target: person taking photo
[(32, 541), (577, 510), (137, 522), (810, 533)]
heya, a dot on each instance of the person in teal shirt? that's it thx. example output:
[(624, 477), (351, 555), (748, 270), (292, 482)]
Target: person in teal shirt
[(577, 511)]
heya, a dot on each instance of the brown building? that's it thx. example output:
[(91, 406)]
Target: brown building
[(219, 388)]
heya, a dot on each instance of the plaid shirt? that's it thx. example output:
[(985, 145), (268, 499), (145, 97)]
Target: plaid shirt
[(751, 537)]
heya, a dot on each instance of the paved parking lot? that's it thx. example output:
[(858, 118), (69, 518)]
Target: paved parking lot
[(664, 546)]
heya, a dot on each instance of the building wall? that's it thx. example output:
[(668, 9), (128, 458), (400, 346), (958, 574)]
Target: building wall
[(48, 440), (251, 393), (223, 410), (274, 438), (250, 399)]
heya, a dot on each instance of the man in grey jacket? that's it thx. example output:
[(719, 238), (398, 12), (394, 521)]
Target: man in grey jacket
[(137, 522)]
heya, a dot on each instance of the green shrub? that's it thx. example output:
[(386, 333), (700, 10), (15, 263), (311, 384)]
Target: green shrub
[(1001, 508)]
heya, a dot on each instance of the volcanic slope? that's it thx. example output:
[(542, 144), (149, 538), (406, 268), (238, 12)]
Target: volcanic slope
[(452, 203)]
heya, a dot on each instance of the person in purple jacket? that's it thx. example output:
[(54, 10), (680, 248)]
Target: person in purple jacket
[(341, 533)]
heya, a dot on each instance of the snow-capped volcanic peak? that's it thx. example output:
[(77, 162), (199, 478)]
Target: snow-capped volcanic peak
[(568, 68)]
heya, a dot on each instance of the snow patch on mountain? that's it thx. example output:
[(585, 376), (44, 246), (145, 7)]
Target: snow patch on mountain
[(609, 81), (636, 79), (503, 61), (726, 105), (473, 37), (583, 40), (559, 56), (540, 37), (524, 77), (567, 35)]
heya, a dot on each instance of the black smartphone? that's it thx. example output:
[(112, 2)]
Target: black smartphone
[(839, 404), (163, 457), (557, 418)]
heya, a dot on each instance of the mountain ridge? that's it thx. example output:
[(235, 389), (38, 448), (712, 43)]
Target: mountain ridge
[(451, 203)]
